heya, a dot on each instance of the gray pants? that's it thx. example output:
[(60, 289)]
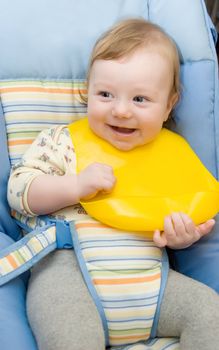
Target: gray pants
[(63, 316)]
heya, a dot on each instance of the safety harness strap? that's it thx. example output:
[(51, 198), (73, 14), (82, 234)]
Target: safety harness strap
[(22, 255)]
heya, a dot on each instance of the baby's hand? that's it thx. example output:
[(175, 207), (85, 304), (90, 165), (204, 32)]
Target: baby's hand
[(96, 177), (180, 231)]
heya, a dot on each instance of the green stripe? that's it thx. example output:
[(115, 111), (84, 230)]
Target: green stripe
[(19, 257), (151, 270), (129, 332), (44, 83), (21, 134)]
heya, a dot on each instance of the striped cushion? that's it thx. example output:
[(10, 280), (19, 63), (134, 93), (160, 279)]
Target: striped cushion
[(125, 269), (31, 106)]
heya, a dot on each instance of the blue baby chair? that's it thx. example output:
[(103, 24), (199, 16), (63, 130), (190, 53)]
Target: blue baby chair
[(45, 45)]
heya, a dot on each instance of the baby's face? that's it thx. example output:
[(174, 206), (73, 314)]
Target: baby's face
[(129, 98)]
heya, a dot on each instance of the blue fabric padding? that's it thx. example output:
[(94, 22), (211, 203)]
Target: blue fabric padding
[(54, 38), (213, 30), (58, 36), (197, 120), (15, 333), (196, 117), (187, 22), (201, 260), (47, 39), (7, 225)]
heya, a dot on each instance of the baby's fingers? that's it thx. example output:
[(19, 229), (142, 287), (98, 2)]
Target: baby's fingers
[(169, 228), (159, 239), (206, 227), (108, 184)]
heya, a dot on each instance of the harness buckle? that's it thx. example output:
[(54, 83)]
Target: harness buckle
[(63, 235)]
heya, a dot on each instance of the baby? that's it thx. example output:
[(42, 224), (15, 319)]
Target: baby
[(133, 85)]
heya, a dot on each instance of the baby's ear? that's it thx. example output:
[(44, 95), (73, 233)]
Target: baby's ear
[(173, 99)]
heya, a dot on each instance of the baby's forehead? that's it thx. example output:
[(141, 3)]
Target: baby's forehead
[(162, 47), (159, 48)]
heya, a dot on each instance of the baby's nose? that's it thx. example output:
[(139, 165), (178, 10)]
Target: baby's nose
[(121, 109)]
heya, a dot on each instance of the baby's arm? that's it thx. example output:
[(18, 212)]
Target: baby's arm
[(46, 180), (49, 193), (180, 231)]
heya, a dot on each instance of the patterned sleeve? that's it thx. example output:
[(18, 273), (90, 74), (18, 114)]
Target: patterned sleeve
[(51, 153)]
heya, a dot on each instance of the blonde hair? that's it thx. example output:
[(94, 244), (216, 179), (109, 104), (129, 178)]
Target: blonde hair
[(131, 34)]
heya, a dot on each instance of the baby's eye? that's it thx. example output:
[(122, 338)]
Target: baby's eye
[(105, 94), (140, 99)]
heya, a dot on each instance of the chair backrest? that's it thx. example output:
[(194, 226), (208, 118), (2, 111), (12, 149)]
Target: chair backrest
[(45, 45)]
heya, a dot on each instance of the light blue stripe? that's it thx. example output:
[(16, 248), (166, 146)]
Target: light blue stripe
[(123, 269), (155, 340), (73, 106), (115, 240), (133, 306), (37, 122), (134, 298), (130, 320), (38, 110), (123, 259), (43, 239), (113, 246)]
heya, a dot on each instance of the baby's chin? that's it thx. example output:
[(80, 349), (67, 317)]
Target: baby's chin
[(123, 146)]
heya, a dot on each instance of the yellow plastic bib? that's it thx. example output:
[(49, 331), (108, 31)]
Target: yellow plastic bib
[(153, 181)]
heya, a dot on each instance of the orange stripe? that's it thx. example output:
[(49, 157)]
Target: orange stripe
[(90, 224), (12, 261), (19, 142), (13, 212), (41, 89), (115, 339), (126, 280)]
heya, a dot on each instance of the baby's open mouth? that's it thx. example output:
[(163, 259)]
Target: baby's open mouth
[(122, 130)]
